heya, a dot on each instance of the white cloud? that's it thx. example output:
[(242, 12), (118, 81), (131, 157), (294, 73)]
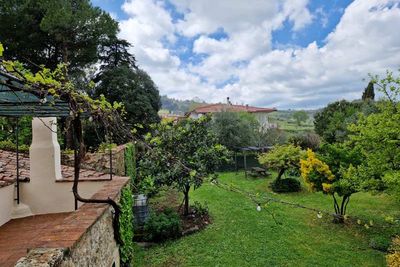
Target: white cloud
[(363, 42)]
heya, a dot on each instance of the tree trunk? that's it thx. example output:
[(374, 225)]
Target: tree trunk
[(281, 172), (340, 211), (186, 208)]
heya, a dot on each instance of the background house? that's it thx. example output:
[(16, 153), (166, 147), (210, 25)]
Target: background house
[(261, 114)]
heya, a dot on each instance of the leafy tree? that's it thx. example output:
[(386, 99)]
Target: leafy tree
[(136, 90), (300, 116), (182, 155), (52, 31), (271, 137), (236, 129), (282, 158), (331, 123), (306, 140), (369, 93), (377, 137), (332, 173)]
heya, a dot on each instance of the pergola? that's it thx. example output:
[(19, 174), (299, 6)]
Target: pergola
[(16, 100), (244, 150)]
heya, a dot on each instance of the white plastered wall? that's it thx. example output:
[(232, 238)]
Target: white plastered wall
[(43, 194), (6, 203)]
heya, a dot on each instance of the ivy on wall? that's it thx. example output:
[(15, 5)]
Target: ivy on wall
[(126, 226), (126, 203)]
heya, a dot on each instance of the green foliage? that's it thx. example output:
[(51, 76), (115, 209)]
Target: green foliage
[(376, 137), (272, 136), (126, 226), (135, 89), (331, 123), (282, 158), (369, 93), (236, 129), (306, 140), (286, 185), (53, 31), (162, 226), (176, 106), (380, 243), (11, 146), (331, 172), (105, 147), (182, 155), (300, 116), (199, 209), (130, 161), (7, 130)]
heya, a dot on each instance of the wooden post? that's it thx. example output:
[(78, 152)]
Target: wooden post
[(245, 164)]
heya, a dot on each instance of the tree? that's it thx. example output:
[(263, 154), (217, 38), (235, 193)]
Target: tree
[(236, 129), (377, 137), (282, 158), (332, 122), (300, 116), (334, 179), (52, 31), (369, 93), (306, 140), (136, 90), (182, 155)]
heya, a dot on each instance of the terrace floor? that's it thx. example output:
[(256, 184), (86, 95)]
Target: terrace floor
[(19, 235)]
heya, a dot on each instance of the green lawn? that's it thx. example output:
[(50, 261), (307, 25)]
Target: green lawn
[(241, 236)]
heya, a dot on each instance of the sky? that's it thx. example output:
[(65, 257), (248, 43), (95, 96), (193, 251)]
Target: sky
[(268, 53)]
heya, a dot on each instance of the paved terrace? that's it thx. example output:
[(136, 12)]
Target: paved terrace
[(60, 230)]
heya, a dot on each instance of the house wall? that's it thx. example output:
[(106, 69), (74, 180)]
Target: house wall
[(194, 115), (262, 119), (44, 196), (6, 203), (85, 238)]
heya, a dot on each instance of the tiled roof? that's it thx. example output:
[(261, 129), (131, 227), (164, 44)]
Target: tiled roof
[(8, 170), (213, 108)]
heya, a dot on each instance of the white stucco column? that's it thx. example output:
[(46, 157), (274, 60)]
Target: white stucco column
[(44, 153)]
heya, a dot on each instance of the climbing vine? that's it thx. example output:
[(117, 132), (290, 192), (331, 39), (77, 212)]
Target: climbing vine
[(126, 226)]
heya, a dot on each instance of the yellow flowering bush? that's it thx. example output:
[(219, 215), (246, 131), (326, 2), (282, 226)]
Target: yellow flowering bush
[(393, 258), (316, 173)]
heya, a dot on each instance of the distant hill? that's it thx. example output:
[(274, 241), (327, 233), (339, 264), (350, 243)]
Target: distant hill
[(179, 107)]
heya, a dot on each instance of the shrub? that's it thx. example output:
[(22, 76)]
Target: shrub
[(379, 243), (307, 140), (199, 209), (286, 185), (10, 146), (163, 226), (393, 259)]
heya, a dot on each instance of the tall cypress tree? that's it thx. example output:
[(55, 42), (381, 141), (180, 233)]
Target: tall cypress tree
[(369, 93)]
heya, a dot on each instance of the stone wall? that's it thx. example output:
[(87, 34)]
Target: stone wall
[(85, 238), (96, 248)]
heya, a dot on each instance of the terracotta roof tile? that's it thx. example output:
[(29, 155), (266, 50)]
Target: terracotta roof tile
[(8, 170)]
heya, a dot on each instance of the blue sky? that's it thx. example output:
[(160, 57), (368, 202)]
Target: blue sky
[(282, 53)]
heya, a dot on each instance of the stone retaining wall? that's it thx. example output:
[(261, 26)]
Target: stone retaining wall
[(85, 238)]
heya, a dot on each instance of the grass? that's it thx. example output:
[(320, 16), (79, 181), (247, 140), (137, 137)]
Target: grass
[(241, 236)]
